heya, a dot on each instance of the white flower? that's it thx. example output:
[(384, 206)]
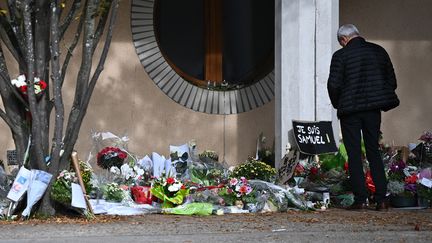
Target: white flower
[(115, 170), (20, 81), (174, 187), (127, 172), (21, 78), (138, 170)]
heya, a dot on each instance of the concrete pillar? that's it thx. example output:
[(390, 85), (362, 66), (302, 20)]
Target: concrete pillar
[(305, 38)]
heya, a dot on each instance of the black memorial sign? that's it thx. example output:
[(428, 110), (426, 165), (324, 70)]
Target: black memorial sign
[(314, 137)]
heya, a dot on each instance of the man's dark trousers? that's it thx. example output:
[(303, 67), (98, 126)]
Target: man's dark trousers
[(353, 126)]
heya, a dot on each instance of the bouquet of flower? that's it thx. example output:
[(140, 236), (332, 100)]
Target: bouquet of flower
[(236, 190), (21, 84), (86, 174), (111, 156), (61, 191), (426, 147), (402, 178), (127, 174), (113, 192), (170, 190), (254, 169), (205, 174)]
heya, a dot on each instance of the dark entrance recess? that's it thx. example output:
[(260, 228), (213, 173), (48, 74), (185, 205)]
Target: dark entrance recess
[(216, 40)]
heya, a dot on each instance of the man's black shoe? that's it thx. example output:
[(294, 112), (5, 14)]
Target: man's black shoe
[(357, 206), (382, 206)]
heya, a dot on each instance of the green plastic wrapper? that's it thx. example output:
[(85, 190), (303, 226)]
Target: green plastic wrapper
[(191, 209)]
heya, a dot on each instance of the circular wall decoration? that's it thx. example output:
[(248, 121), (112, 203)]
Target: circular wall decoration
[(192, 96)]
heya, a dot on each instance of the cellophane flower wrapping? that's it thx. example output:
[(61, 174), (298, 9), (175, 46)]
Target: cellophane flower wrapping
[(110, 150), (279, 197), (202, 209)]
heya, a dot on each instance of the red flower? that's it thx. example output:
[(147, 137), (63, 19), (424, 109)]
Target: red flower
[(411, 179), (122, 155), (314, 170), (170, 181), (42, 84), (183, 187), (346, 166), (243, 189), (23, 89)]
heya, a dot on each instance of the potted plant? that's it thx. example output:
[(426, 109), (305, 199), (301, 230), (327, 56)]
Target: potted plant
[(402, 184), (255, 169)]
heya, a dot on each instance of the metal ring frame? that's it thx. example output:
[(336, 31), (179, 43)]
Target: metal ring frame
[(180, 90)]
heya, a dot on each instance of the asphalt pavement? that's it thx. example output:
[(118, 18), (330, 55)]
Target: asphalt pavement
[(333, 225)]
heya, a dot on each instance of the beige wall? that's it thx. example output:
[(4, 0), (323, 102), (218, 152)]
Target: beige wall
[(126, 101), (403, 28)]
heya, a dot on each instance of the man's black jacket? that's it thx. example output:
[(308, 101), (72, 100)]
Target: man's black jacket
[(361, 78)]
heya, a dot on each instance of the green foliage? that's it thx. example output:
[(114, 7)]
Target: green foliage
[(254, 169), (113, 192), (204, 176), (228, 196), (61, 191), (169, 201), (86, 174), (332, 161)]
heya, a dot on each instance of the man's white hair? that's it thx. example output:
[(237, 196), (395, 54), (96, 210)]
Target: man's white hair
[(347, 30)]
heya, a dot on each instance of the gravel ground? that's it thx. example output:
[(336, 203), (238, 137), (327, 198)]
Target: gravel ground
[(334, 225)]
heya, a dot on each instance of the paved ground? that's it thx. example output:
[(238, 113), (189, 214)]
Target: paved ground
[(334, 225)]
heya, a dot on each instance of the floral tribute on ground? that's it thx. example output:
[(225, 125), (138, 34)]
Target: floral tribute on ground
[(124, 183)]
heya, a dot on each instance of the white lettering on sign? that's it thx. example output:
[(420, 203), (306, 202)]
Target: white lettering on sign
[(306, 139), (300, 129), (310, 135)]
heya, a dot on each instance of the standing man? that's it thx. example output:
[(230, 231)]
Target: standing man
[(361, 84)]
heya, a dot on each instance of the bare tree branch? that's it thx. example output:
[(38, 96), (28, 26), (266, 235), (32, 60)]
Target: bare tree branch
[(70, 50), (56, 82), (41, 34), (70, 16), (102, 22), (104, 54), (72, 131), (11, 41), (15, 20), (87, 58), (37, 149)]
